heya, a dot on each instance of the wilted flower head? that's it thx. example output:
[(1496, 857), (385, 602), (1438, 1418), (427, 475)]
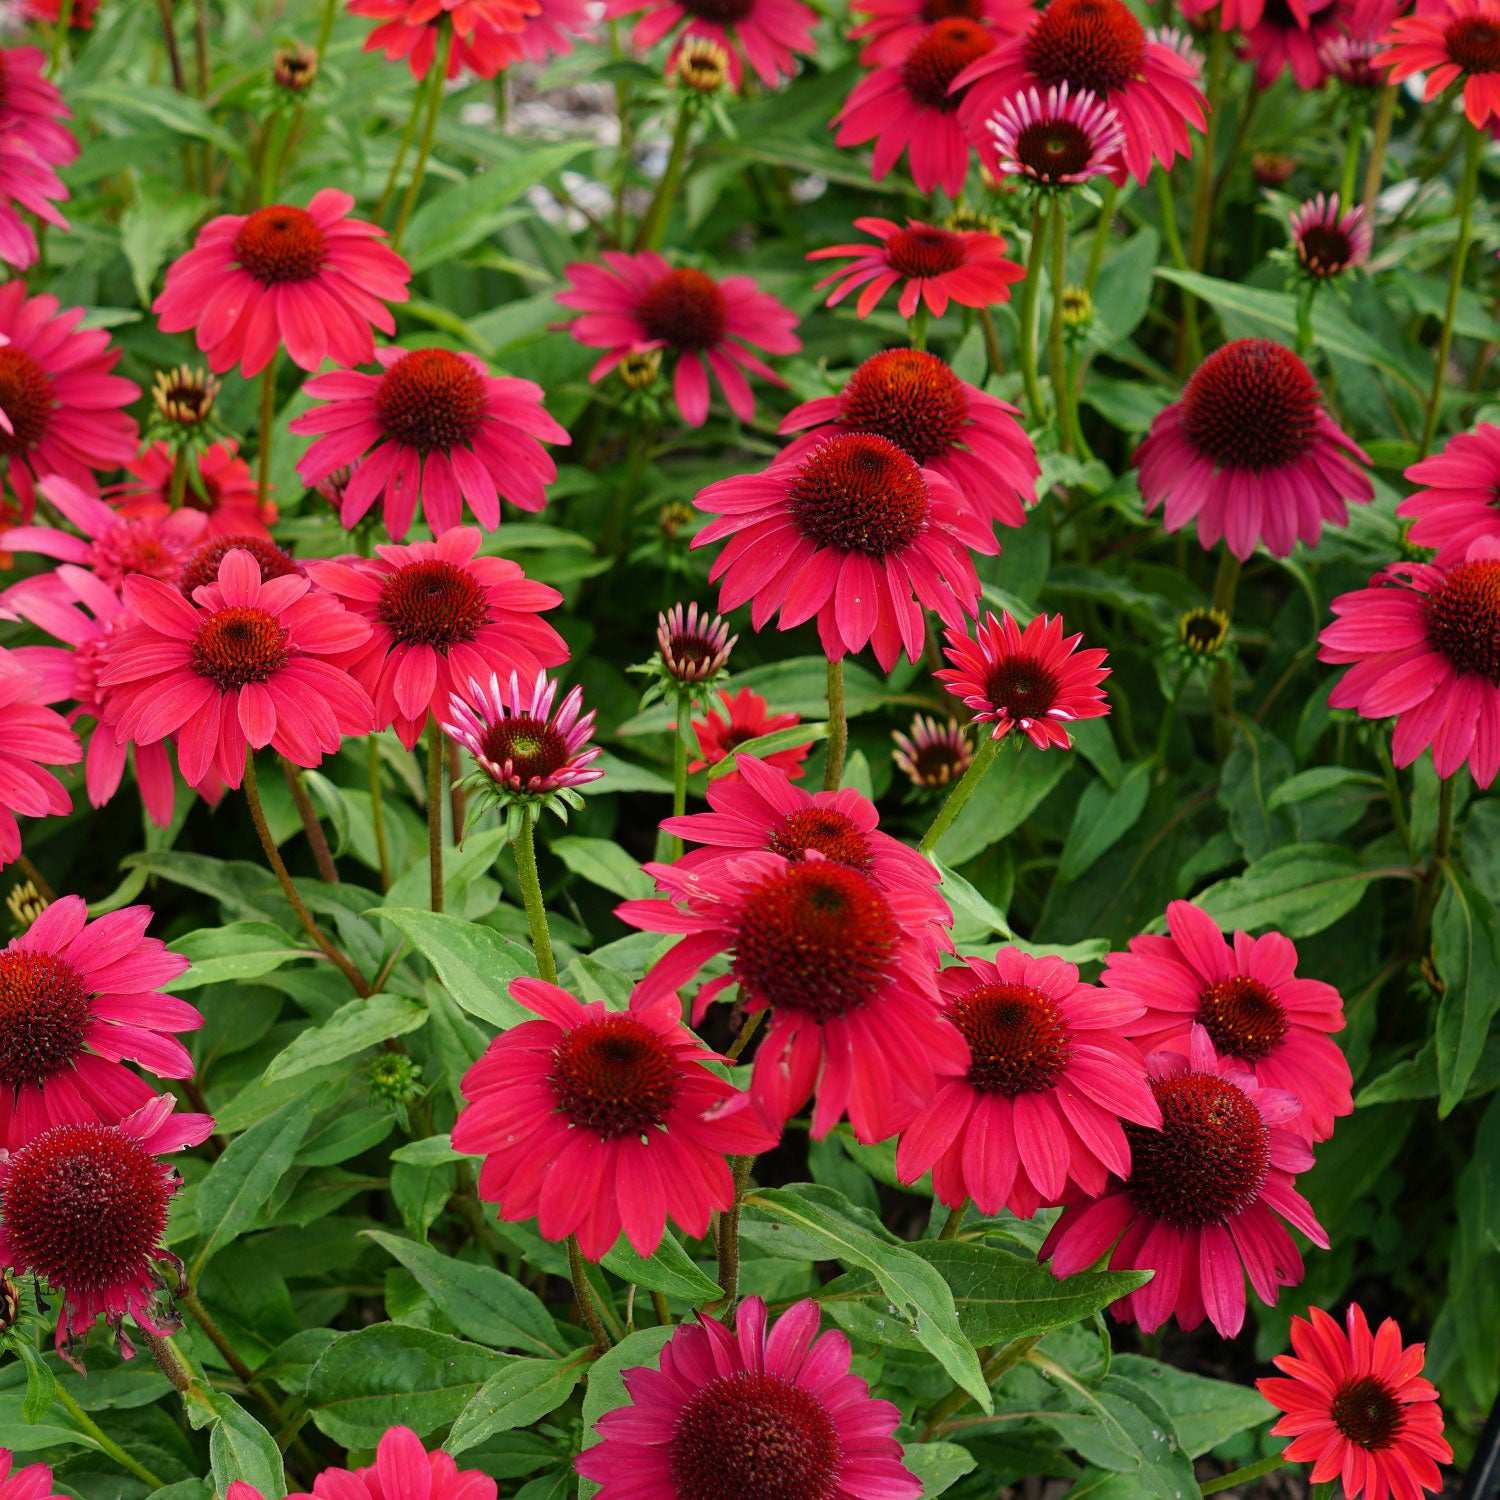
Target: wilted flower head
[(294, 68)]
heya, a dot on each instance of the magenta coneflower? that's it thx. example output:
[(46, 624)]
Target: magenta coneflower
[(225, 492), (1291, 37), (32, 737), (403, 1470), (1351, 59), (76, 999), (753, 1414), (31, 1483), (1449, 40), (83, 1207), (1251, 1003), (593, 1121), (242, 665), (1456, 505), (1205, 1200), (31, 108), (853, 532), (440, 616), (635, 303), (549, 31), (932, 753), (1096, 47), (202, 565), (692, 645), (1034, 680), (409, 29), (767, 32), (1423, 643), (26, 183), (936, 265), (57, 392), (1329, 241), (906, 106), (310, 280), (1052, 1074), (896, 26), (944, 423), (434, 426), (1357, 1407), (747, 716), (518, 742), (1055, 140), (847, 968), (1250, 453)]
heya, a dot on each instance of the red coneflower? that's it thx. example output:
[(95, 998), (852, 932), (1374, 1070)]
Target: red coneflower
[(409, 29), (32, 737), (520, 745), (746, 717), (896, 26), (757, 1414), (1357, 1407), (768, 32), (226, 491), (1294, 37), (31, 108), (932, 753), (434, 426), (27, 183), (944, 423), (1329, 241), (1058, 139), (1251, 454), (1456, 505), (202, 565), (966, 266), (403, 1470), (1450, 40)]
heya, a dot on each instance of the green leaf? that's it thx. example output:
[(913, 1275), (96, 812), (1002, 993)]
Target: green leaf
[(522, 1393), (1466, 946), (244, 888), (1103, 817), (1204, 1412), (1300, 889), (605, 864), (670, 1270), (938, 1465), (363, 1022), (237, 951), (1017, 782), (606, 1388), (240, 1448), (156, 221), (475, 963), (178, 112), (41, 1384), (1318, 782), (766, 745)]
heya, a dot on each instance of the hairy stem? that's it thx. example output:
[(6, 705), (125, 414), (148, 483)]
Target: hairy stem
[(531, 895), (311, 826), (966, 786), (838, 728)]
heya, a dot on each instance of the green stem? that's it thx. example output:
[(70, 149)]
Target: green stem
[(531, 896), (838, 727), (265, 435), (1062, 385), (60, 37), (583, 1294), (967, 785), (1442, 848), (1243, 1476), (954, 1222), (997, 1363), (993, 357), (1305, 298), (169, 36), (1226, 586), (179, 479), (1351, 160), (654, 222), (437, 76), (1169, 717), (1393, 792), (1473, 152), (1167, 205), (918, 326), (435, 815), (86, 1424), (408, 134), (672, 846), (1203, 193), (1385, 116), (1101, 234), (1030, 291), (729, 1234), (311, 826), (377, 812)]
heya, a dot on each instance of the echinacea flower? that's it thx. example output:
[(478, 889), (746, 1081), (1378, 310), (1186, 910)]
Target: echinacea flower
[(32, 737), (936, 265), (310, 280), (894, 27), (905, 106), (1056, 139), (1422, 643), (29, 184), (1034, 680), (76, 999), (1095, 47), (847, 968), (595, 1121), (1329, 240), (1352, 60), (1052, 1074), (850, 531), (440, 616), (219, 485), (1292, 37), (746, 717), (409, 29), (403, 1470), (692, 645), (31, 107), (1249, 452), (1357, 1407), (752, 1414), (1204, 1204), (202, 564), (34, 1482), (767, 33), (932, 753), (1251, 1003), (83, 1206), (434, 426), (242, 665), (1446, 41), (915, 400), (633, 304), (62, 403), (1456, 505)]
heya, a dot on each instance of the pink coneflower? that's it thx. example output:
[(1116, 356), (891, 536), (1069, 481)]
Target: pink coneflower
[(241, 666), (906, 106), (635, 303), (750, 1414), (592, 1120), (81, 17), (31, 1483), (1034, 680), (846, 967), (1294, 38), (26, 183), (1051, 1076), (310, 280), (403, 1470), (518, 742), (409, 29), (32, 737), (202, 565), (767, 32), (83, 1207), (1250, 452), (1456, 505), (746, 717), (1424, 644), (440, 616), (1351, 60), (1095, 47), (1329, 242), (225, 490), (916, 401), (932, 753), (31, 108), (1204, 1203), (1448, 41), (434, 425), (1242, 15), (549, 31), (1251, 1003), (1357, 1407), (76, 999), (58, 394), (853, 532), (896, 26), (1058, 139), (692, 645), (966, 266)]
